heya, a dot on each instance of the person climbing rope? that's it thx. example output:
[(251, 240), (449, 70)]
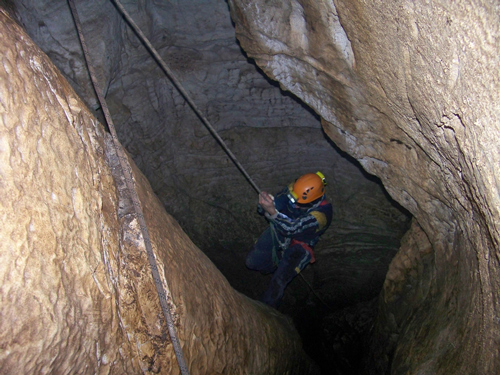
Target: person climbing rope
[(297, 217)]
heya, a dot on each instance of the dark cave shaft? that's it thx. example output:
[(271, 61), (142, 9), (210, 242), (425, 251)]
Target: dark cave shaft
[(278, 138)]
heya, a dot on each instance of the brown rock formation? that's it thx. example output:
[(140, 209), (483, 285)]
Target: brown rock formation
[(273, 135), (77, 294), (411, 90)]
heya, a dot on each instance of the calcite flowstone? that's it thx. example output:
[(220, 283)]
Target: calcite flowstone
[(411, 90), (77, 295)]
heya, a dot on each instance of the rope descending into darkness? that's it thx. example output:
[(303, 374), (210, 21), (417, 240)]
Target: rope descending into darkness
[(127, 174)]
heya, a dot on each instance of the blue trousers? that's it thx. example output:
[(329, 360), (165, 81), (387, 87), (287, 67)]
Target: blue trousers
[(286, 265)]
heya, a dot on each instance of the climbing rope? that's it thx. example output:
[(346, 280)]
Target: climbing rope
[(127, 174), (274, 240), (314, 292), (125, 165), (183, 92), (205, 121)]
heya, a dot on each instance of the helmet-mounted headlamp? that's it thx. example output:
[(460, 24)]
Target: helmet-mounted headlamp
[(322, 176), (292, 196)]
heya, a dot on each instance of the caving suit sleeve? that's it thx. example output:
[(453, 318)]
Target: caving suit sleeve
[(313, 222)]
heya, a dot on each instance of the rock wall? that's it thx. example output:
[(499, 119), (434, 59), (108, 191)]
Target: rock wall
[(411, 90), (77, 294), (273, 135)]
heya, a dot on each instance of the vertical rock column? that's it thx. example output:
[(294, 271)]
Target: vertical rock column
[(77, 295)]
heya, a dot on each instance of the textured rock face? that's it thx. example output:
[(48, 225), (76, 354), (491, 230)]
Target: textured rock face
[(77, 294), (410, 90), (273, 135)]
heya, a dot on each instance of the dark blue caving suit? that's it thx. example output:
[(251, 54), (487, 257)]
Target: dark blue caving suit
[(286, 247)]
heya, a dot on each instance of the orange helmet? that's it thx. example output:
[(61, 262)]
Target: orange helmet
[(308, 188)]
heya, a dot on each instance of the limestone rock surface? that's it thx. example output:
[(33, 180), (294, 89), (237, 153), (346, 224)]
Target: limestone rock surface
[(411, 90), (272, 134), (77, 293)]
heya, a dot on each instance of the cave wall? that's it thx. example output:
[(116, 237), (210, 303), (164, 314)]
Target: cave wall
[(77, 294), (273, 135), (411, 91)]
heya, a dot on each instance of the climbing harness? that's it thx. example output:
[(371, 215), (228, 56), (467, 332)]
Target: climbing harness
[(276, 260), (184, 93), (127, 174)]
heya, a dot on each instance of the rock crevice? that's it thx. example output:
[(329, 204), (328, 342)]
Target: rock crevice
[(77, 293)]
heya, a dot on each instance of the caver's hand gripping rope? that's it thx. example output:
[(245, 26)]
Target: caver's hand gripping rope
[(127, 174)]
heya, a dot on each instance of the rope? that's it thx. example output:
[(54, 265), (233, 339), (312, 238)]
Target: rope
[(127, 174), (314, 292), (274, 239), (183, 92)]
